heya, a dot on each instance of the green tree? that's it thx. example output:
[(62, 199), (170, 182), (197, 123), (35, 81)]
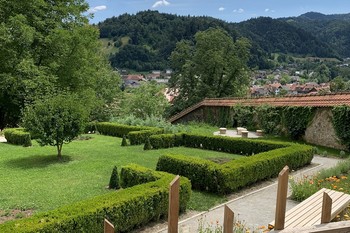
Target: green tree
[(323, 73), (47, 46), (214, 66), (145, 101), (55, 120), (338, 84)]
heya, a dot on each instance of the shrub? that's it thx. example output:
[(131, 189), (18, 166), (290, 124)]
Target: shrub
[(147, 145), (114, 180), (124, 142), (269, 159), (126, 208), (17, 136)]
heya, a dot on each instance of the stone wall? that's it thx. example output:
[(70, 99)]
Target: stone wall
[(321, 130)]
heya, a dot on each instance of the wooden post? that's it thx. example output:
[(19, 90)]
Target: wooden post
[(326, 208), (108, 227), (281, 202), (173, 212), (228, 220)]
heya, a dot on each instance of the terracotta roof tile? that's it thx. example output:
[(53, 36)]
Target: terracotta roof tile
[(307, 100)]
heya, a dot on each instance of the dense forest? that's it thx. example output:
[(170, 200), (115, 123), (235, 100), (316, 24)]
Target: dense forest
[(144, 41), (334, 30)]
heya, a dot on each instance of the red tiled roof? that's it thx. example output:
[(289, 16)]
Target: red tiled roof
[(313, 100)]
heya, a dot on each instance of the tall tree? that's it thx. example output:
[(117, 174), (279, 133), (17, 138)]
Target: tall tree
[(47, 46), (215, 66), (145, 101)]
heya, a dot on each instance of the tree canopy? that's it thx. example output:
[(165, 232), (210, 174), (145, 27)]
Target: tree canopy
[(56, 119), (214, 66), (48, 46)]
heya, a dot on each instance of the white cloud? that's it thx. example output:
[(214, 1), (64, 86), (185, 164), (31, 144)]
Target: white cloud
[(269, 10), (221, 8), (161, 3), (240, 10), (97, 8)]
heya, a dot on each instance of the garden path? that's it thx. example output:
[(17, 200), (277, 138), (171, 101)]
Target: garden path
[(254, 206), (2, 139)]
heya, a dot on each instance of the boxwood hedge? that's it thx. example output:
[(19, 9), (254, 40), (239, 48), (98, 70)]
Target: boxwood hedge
[(126, 208), (17, 136), (267, 160), (136, 134)]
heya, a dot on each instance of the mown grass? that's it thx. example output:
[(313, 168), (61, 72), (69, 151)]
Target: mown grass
[(33, 177)]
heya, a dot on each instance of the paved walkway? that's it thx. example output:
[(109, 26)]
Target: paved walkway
[(2, 139), (256, 208)]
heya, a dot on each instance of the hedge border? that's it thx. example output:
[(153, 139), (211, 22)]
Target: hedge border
[(126, 208), (267, 160), (18, 136), (136, 134)]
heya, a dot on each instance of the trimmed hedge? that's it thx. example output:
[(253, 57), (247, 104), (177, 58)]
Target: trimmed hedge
[(17, 136), (166, 140), (126, 209), (136, 134), (140, 137), (217, 143), (134, 174), (269, 159)]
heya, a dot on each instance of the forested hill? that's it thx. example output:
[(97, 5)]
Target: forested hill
[(331, 29), (144, 41)]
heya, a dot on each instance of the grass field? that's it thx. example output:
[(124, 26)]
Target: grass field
[(33, 178)]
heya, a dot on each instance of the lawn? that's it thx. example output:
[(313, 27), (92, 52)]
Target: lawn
[(33, 178)]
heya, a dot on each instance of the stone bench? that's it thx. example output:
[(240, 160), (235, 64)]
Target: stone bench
[(240, 129), (222, 130), (244, 134), (259, 132)]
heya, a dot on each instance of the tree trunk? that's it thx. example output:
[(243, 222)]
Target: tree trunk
[(59, 149)]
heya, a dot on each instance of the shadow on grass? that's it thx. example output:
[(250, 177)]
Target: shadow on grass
[(37, 161)]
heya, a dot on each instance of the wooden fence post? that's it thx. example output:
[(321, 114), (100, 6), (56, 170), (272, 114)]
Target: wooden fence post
[(173, 212), (281, 202), (228, 220), (326, 208), (108, 227)]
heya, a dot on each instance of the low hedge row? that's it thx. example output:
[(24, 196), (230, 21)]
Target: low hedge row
[(136, 134), (17, 136), (217, 143), (133, 174), (166, 140), (140, 137), (209, 176), (126, 208)]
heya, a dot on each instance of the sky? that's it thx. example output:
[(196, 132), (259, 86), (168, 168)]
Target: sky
[(227, 10)]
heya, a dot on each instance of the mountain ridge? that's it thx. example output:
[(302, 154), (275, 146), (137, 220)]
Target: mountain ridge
[(153, 35)]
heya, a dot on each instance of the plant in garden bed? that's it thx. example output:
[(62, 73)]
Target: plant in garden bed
[(238, 227), (336, 178)]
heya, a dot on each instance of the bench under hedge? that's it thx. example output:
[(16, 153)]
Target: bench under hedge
[(263, 160), (145, 199)]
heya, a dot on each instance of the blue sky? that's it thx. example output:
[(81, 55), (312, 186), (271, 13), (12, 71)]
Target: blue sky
[(228, 10)]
